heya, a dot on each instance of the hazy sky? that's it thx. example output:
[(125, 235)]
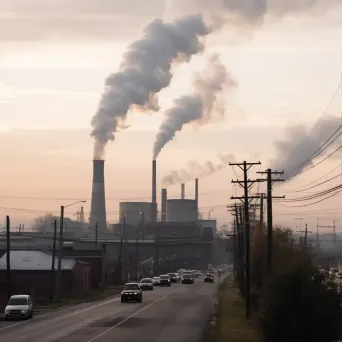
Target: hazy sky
[(55, 56)]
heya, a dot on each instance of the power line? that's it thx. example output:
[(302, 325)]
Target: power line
[(302, 141), (316, 180), (306, 205), (314, 186), (320, 150)]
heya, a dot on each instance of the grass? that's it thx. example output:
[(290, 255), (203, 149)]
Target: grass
[(94, 295), (231, 324)]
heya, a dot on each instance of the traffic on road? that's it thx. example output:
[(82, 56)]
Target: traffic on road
[(157, 313)]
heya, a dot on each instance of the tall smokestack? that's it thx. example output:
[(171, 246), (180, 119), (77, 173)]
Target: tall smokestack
[(154, 191), (196, 194), (182, 191), (98, 201), (163, 204)]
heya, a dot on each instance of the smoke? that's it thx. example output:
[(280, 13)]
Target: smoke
[(197, 107), (299, 146), (196, 170), (144, 72), (248, 12)]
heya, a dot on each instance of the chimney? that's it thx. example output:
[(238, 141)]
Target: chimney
[(98, 201), (154, 191), (163, 204), (196, 193), (182, 191)]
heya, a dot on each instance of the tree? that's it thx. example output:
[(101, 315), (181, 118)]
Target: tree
[(298, 303), (44, 223)]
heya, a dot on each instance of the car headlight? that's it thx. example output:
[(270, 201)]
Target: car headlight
[(135, 293), (24, 310)]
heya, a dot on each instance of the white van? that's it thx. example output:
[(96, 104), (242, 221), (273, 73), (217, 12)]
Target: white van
[(19, 306)]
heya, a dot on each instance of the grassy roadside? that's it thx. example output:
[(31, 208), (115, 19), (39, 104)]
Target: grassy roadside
[(94, 295), (231, 324)]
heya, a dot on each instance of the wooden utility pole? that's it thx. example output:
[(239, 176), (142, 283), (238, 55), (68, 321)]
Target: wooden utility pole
[(246, 184), (157, 252), (52, 286), (136, 259), (305, 234), (96, 233), (60, 255), (270, 181), (8, 257)]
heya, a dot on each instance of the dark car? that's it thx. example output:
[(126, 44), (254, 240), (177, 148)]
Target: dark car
[(187, 278), (131, 292), (209, 278), (146, 284), (173, 277), (165, 280)]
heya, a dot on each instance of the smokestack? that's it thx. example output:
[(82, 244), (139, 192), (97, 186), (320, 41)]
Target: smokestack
[(98, 201), (154, 191), (182, 191), (196, 194), (163, 204)]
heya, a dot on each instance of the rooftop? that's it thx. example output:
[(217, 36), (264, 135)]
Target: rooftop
[(34, 260)]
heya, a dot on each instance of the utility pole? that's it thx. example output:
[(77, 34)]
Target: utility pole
[(96, 233), (317, 234), (334, 235), (119, 260), (136, 259), (157, 252), (305, 234), (8, 256), (125, 254), (246, 185), (270, 181), (328, 227), (52, 288), (60, 254)]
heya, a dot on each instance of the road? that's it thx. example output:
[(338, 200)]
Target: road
[(168, 314)]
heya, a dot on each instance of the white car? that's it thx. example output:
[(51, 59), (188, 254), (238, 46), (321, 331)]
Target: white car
[(156, 281), (19, 306)]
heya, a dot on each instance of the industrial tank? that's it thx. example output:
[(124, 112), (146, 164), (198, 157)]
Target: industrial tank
[(181, 210), (135, 212)]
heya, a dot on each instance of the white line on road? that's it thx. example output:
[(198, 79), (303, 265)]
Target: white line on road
[(70, 314), (22, 322), (127, 318)]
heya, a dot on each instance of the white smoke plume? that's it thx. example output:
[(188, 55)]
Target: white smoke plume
[(197, 107), (144, 72), (248, 12), (294, 153), (196, 170)]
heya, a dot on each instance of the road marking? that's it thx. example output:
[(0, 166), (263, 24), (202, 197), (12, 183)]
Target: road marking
[(22, 322), (129, 317), (70, 314)]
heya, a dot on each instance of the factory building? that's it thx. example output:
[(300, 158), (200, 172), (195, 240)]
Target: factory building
[(208, 224), (181, 210), (135, 213)]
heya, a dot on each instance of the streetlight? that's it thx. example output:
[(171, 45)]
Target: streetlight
[(60, 251), (210, 211)]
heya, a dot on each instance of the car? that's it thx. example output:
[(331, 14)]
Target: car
[(131, 292), (156, 281), (188, 273), (173, 277), (187, 278), (165, 280), (19, 306), (209, 278), (146, 284)]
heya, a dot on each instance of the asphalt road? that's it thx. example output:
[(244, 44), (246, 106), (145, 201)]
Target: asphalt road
[(168, 314)]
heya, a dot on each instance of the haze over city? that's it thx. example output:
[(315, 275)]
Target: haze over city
[(282, 68)]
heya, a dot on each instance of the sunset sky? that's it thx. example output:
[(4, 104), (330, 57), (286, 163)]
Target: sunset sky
[(53, 63)]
